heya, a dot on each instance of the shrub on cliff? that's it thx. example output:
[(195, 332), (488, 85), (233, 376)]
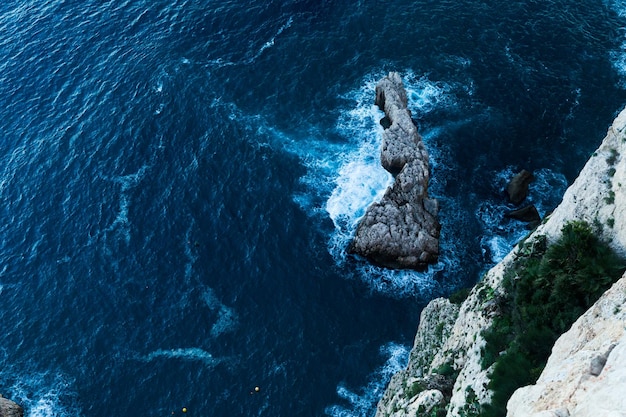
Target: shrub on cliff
[(546, 292)]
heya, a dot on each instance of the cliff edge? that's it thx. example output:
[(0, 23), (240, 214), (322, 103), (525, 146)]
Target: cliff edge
[(453, 360), (401, 230)]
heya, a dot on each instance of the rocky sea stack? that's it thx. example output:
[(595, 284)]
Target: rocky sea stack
[(401, 231)]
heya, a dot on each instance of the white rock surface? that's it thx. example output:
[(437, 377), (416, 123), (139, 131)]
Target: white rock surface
[(598, 196), (574, 382)]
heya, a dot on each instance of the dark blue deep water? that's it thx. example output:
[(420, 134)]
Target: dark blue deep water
[(179, 180)]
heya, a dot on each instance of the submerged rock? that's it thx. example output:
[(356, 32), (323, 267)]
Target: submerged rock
[(528, 214), (402, 230), (10, 409)]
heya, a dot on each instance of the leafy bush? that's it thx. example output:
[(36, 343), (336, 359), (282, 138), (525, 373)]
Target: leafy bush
[(459, 296), (447, 370), (415, 388), (547, 292)]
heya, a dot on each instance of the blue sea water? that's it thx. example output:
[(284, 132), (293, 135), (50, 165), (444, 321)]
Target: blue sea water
[(179, 180)]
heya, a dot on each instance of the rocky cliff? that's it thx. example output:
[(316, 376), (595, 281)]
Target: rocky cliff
[(448, 373), (401, 230)]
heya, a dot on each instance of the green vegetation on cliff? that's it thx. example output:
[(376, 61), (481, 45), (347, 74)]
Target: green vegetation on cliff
[(546, 291)]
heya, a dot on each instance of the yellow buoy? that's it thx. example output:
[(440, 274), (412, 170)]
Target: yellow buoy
[(257, 389), (184, 409)]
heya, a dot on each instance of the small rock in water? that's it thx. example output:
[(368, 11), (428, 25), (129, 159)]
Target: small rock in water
[(517, 189)]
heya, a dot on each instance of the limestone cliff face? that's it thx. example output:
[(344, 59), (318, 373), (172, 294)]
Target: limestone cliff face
[(586, 374)]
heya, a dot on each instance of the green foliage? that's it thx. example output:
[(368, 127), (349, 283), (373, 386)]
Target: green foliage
[(498, 337), (436, 411), (414, 389), (459, 296), (546, 293), (439, 330), (610, 222), (611, 172), (610, 199), (472, 407), (613, 157), (447, 370)]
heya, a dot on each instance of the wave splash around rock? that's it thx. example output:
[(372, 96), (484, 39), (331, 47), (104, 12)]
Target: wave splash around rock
[(402, 230)]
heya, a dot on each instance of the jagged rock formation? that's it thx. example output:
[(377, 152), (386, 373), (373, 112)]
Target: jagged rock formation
[(517, 188), (9, 409), (528, 214), (585, 376), (400, 231)]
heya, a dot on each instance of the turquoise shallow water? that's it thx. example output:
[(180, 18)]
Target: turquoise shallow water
[(180, 179)]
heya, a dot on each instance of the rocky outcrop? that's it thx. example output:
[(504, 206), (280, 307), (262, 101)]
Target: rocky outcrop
[(10, 409), (416, 388), (401, 230), (585, 374), (517, 188), (528, 214)]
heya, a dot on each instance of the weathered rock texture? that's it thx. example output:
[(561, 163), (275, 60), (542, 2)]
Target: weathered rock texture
[(402, 230), (586, 374), (9, 409), (517, 188)]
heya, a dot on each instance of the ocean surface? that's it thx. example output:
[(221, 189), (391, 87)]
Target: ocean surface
[(179, 181)]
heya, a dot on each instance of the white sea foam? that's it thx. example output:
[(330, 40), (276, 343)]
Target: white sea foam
[(227, 317), (45, 395), (358, 179), (185, 354), (271, 42), (361, 402), (500, 234)]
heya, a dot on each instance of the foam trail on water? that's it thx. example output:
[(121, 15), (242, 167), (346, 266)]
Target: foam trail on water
[(618, 57), (361, 402), (271, 42), (186, 354), (121, 224), (227, 317)]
